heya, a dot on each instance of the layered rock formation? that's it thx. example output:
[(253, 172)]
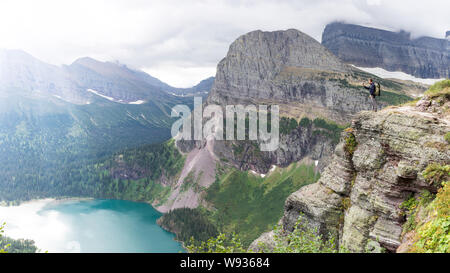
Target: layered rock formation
[(424, 57), (303, 141), (376, 166), (291, 69)]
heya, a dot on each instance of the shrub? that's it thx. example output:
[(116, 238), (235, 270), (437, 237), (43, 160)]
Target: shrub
[(350, 144), (301, 240), (346, 203), (305, 122), (223, 243), (435, 173), (287, 125), (409, 206), (434, 235), (447, 137), (2, 250)]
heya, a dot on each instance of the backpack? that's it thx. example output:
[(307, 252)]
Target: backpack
[(377, 89)]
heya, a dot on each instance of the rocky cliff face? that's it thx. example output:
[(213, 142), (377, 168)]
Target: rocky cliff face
[(288, 68), (292, 70), (424, 57), (377, 165), (304, 141)]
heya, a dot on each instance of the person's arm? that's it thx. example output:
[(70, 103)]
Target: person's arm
[(367, 87)]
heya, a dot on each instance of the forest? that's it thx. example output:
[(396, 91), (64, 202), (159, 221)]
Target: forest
[(129, 174)]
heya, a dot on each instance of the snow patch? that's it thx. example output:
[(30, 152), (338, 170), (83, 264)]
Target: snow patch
[(257, 174), (272, 168), (131, 116), (113, 99), (103, 96), (137, 102), (385, 74)]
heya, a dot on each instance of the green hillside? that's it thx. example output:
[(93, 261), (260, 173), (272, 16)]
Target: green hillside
[(42, 140)]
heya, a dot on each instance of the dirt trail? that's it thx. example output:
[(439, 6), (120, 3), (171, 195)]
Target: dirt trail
[(412, 110)]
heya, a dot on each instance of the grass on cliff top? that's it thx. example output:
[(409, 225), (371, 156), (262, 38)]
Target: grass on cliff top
[(439, 88), (394, 98), (250, 205)]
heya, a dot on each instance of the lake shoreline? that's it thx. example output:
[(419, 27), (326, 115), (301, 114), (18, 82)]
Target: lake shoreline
[(56, 200), (48, 223)]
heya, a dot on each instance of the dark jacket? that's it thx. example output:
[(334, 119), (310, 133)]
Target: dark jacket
[(371, 88)]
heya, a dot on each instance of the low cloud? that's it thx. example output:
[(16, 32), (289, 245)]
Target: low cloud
[(181, 42), (48, 228)]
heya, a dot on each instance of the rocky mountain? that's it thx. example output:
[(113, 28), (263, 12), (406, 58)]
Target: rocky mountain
[(55, 117), (21, 71), (85, 79), (423, 57), (232, 184), (293, 70), (201, 89), (115, 80), (384, 163), (52, 117), (317, 94)]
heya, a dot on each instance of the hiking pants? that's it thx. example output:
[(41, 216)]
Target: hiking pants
[(374, 103)]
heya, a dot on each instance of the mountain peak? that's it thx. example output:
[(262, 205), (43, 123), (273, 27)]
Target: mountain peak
[(424, 57), (17, 54), (286, 48), (85, 61), (276, 65)]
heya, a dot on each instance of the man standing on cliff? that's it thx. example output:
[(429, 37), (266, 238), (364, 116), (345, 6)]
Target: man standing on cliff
[(371, 89)]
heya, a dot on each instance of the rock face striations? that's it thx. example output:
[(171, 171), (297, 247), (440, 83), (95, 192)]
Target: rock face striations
[(377, 165), (291, 69), (312, 88), (424, 57)]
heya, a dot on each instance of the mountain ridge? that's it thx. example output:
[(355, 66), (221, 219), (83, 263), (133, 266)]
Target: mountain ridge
[(423, 57), (70, 82)]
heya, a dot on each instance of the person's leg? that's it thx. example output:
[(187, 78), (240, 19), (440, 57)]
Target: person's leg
[(375, 106), (372, 100)]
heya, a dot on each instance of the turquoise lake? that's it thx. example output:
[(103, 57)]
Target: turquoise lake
[(111, 226)]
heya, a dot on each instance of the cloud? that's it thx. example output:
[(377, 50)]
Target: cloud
[(182, 41), (49, 230)]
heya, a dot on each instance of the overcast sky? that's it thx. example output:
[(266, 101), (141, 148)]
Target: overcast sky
[(181, 42)]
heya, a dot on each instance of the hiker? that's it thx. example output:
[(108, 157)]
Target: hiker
[(371, 89)]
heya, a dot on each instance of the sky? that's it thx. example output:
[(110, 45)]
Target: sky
[(181, 41)]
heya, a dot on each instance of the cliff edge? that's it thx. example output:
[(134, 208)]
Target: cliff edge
[(382, 161)]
